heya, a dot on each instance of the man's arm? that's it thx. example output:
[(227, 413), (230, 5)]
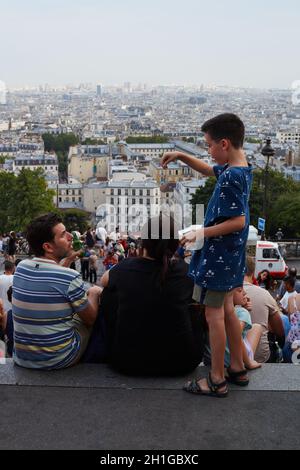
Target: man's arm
[(66, 262), (89, 314), (276, 325), (105, 279), (192, 162)]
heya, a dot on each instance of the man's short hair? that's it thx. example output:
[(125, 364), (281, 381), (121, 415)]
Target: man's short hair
[(293, 272), (250, 266), (40, 231), (9, 266), (290, 280), (226, 126)]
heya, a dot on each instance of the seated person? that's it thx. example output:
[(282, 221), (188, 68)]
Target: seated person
[(251, 333), (293, 338), (6, 325), (264, 312), (290, 292), (152, 330), (53, 314)]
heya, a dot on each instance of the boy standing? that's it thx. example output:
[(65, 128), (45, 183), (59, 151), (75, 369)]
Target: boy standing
[(219, 268)]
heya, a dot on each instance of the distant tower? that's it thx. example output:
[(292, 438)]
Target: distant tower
[(297, 157), (289, 158), (10, 124), (99, 91)]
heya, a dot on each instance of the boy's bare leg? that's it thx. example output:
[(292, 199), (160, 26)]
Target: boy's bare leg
[(234, 334), (217, 339)]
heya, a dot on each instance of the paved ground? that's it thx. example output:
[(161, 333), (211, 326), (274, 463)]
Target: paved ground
[(93, 407)]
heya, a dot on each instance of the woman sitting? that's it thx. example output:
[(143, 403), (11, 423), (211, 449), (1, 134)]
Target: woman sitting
[(146, 308)]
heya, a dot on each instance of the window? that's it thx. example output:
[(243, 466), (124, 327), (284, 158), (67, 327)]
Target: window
[(112, 201), (141, 202), (133, 193), (133, 201), (270, 253)]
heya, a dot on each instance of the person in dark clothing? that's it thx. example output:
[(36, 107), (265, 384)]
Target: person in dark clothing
[(148, 320), (89, 239), (12, 244)]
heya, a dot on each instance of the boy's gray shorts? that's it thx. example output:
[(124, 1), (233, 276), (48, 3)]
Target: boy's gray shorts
[(214, 299)]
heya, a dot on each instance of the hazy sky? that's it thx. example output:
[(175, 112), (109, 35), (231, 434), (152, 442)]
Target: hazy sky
[(232, 42)]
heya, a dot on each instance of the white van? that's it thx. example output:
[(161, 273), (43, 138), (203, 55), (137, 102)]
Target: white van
[(267, 255)]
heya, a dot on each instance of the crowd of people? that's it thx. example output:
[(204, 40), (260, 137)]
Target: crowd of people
[(151, 312)]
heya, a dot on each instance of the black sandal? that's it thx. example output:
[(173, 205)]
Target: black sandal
[(233, 377), (214, 389)]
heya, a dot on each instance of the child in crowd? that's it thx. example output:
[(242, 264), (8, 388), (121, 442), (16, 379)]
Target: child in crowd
[(110, 260), (132, 252), (93, 266), (218, 269), (293, 339)]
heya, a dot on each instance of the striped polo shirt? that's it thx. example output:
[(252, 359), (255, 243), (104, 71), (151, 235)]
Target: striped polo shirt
[(46, 296)]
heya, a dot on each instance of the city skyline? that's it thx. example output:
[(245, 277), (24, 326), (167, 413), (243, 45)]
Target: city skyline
[(253, 46)]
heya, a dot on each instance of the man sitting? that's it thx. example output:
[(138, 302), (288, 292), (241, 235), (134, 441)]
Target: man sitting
[(53, 314), (265, 312)]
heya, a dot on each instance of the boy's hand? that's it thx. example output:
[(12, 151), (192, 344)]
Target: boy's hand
[(168, 158), (191, 237)]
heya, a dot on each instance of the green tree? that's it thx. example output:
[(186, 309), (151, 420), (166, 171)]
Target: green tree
[(7, 191), (285, 213), (280, 190), (31, 198), (75, 219), (158, 139), (60, 144), (93, 142)]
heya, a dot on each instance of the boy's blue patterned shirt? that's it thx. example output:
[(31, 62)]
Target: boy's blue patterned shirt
[(220, 265)]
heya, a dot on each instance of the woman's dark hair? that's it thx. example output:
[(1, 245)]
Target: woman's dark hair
[(268, 282), (40, 231), (161, 241), (226, 126)]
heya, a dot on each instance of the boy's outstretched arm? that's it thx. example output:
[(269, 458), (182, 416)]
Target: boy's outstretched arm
[(192, 162)]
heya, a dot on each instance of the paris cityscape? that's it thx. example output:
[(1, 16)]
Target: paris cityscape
[(149, 228)]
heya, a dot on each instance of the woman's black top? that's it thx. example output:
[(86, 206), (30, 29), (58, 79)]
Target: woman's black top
[(11, 246), (149, 321)]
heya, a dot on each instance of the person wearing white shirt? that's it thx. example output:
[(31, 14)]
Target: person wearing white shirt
[(6, 281), (289, 283)]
